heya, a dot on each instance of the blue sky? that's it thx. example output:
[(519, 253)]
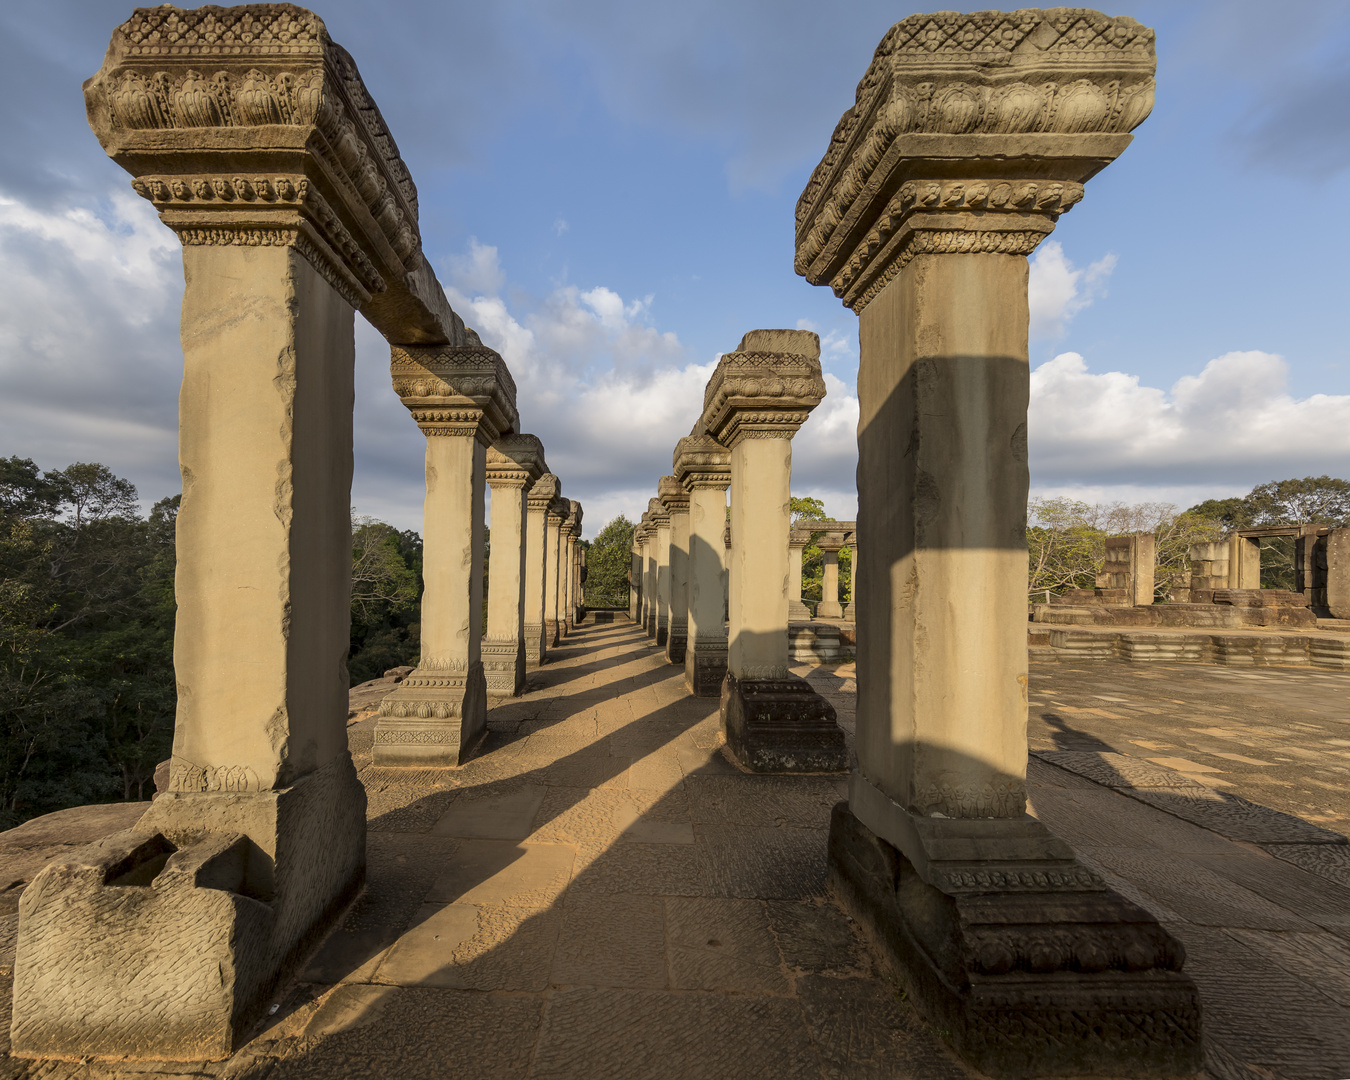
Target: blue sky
[(607, 192)]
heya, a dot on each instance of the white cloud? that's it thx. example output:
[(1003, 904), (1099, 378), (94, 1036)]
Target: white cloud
[(90, 360), (1234, 423), (560, 226), (478, 271), (1058, 290)]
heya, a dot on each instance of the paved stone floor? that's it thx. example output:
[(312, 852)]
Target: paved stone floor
[(601, 893)]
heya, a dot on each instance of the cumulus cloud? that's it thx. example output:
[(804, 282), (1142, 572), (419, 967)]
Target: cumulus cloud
[(90, 360), (1058, 290), (1233, 423)]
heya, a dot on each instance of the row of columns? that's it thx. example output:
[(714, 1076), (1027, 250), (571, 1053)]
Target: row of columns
[(698, 559)]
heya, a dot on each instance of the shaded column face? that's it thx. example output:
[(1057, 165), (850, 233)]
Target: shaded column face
[(706, 645), (504, 656), (461, 399), (761, 514), (553, 548), (675, 502)]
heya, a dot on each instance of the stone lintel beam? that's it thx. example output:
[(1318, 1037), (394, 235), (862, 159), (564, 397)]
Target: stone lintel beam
[(766, 388), (464, 390), (249, 126), (970, 133)]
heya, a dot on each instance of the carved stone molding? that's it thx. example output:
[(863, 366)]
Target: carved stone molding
[(249, 120), (700, 461), (766, 388), (514, 459), (673, 496), (658, 517), (464, 391), (544, 491), (1003, 115)]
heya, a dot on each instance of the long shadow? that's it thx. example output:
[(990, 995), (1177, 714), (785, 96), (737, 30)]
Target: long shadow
[(365, 1016)]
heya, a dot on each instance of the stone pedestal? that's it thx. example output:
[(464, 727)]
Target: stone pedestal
[(933, 259), (462, 400), (798, 539), (703, 467), (675, 502), (755, 401), (514, 463), (829, 607), (539, 499)]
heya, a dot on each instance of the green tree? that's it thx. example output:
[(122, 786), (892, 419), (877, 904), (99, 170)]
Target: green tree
[(386, 599), (608, 562)]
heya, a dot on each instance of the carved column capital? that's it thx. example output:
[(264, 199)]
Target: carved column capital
[(765, 389), (658, 517), (515, 461), (250, 126), (449, 390), (543, 492), (970, 133), (700, 461), (673, 497)]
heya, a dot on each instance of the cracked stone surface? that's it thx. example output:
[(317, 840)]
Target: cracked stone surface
[(601, 892)]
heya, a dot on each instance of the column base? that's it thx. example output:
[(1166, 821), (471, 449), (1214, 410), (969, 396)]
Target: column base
[(662, 631), (815, 643), (433, 717), (850, 613), (677, 641), (551, 635), (1032, 964), (781, 726), (503, 668), (705, 666), (829, 609), (798, 612), (534, 645), (167, 940)]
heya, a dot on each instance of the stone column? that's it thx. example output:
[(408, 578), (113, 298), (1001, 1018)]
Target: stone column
[(660, 570), (557, 515), (755, 401), (797, 541), (640, 570), (294, 209), (954, 163), (648, 575), (703, 467), (573, 591), (851, 608), (462, 399), (540, 497), (565, 570), (514, 463), (675, 502), (829, 545)]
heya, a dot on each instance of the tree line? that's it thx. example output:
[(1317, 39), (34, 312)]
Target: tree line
[(87, 691)]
